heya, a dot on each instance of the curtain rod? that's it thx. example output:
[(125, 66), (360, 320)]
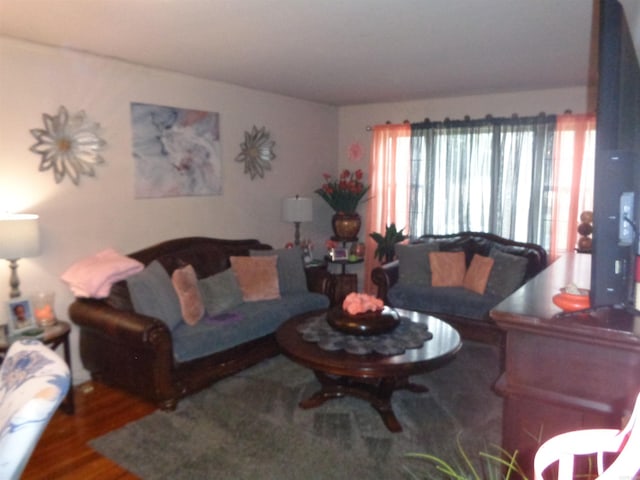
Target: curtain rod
[(369, 128)]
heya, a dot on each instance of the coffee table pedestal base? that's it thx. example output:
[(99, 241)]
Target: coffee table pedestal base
[(376, 391)]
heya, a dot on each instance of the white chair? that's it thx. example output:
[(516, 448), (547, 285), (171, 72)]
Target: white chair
[(33, 382), (565, 447)]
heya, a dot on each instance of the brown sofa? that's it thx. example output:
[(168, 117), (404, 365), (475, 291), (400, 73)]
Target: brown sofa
[(137, 353), (466, 310)]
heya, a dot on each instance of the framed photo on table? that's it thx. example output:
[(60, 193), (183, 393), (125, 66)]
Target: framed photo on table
[(339, 254), (21, 317)]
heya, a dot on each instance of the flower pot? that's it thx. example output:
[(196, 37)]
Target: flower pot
[(346, 226)]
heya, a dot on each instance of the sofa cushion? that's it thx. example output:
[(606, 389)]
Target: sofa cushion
[(250, 320), (220, 292), (257, 277), (507, 273), (152, 294), (298, 303), (413, 263), (185, 284), (450, 300), (447, 269), (253, 320), (291, 276), (477, 275)]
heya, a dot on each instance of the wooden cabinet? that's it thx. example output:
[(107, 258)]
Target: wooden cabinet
[(563, 372)]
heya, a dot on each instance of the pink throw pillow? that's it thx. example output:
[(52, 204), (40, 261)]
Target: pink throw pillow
[(257, 277), (185, 282)]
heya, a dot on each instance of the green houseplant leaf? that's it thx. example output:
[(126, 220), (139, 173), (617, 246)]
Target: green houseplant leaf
[(385, 249), (499, 466)]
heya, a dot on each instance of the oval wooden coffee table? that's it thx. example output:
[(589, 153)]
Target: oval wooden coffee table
[(372, 377)]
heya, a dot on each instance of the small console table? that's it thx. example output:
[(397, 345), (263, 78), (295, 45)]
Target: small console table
[(344, 283), (563, 372)]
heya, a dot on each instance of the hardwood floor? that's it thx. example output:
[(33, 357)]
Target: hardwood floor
[(63, 453)]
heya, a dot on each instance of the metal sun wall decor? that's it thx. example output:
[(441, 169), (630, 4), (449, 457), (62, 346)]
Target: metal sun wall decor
[(256, 152), (68, 145), (176, 151)]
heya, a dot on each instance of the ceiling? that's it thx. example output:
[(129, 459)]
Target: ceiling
[(338, 52)]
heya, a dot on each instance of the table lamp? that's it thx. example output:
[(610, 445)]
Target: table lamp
[(297, 210), (19, 238)]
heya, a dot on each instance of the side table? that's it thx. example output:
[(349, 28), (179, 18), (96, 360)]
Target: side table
[(344, 283), (53, 336)]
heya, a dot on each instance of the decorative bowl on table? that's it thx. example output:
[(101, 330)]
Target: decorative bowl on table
[(572, 299), (367, 323)]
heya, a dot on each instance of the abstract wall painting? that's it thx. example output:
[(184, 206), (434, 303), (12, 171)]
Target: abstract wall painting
[(176, 151)]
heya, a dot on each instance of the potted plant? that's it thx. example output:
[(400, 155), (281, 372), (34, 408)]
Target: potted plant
[(386, 245), (344, 195), (501, 465)]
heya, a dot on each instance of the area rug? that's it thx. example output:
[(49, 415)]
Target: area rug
[(249, 426)]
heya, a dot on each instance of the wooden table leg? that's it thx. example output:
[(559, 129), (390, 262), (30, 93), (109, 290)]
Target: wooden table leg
[(377, 392), (68, 406)]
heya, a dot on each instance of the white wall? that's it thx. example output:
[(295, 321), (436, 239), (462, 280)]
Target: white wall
[(100, 212)]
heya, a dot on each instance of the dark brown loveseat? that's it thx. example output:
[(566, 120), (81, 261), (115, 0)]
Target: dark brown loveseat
[(140, 353), (467, 311)]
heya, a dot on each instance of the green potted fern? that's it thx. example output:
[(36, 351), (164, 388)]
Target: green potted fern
[(386, 244)]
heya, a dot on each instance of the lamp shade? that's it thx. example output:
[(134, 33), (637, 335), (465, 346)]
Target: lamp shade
[(297, 209), (19, 236)]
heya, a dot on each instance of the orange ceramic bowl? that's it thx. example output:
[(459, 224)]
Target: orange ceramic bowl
[(570, 302)]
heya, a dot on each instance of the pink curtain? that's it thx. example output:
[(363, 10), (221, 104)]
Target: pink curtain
[(572, 185), (389, 172)]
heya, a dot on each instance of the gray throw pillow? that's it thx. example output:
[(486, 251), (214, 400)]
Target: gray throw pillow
[(152, 294), (507, 273), (291, 275), (220, 292), (414, 267)]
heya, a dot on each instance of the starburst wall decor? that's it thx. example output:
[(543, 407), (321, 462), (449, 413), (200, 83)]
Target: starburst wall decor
[(68, 145), (256, 152)]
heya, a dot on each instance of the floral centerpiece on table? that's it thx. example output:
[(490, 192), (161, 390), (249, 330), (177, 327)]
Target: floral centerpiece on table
[(345, 193)]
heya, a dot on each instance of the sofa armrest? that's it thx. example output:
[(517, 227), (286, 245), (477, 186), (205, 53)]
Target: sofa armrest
[(127, 350), (384, 277), (123, 326)]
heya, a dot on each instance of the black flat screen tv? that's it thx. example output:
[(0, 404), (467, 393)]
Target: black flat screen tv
[(617, 163)]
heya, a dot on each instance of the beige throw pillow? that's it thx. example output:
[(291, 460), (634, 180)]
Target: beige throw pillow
[(257, 277), (478, 274), (447, 269)]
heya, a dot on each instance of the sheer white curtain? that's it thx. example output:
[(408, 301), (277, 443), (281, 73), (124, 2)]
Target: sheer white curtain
[(490, 175)]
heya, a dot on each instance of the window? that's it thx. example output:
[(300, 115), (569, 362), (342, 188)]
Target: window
[(527, 179), (490, 175)]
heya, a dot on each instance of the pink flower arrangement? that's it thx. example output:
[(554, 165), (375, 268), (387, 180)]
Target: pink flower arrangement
[(343, 194), (331, 244)]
